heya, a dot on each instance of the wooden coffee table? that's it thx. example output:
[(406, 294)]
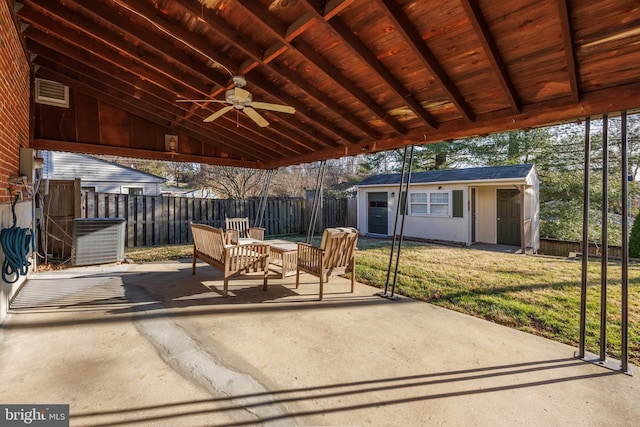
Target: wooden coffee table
[(283, 254)]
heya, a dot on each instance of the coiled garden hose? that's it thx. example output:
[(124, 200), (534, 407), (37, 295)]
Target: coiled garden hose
[(15, 245)]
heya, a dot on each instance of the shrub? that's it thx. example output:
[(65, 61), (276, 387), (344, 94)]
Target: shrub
[(634, 238)]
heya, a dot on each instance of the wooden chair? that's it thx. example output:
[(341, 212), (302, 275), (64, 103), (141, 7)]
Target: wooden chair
[(238, 228), (209, 244), (335, 256)]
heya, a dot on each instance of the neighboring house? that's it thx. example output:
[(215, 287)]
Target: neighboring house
[(206, 193), (489, 205), (101, 176)]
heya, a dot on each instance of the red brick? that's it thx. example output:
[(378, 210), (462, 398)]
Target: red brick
[(15, 93)]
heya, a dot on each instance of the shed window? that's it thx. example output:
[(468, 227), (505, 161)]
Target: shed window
[(419, 203), (439, 203), (436, 203)]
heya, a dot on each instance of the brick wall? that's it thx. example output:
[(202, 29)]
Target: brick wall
[(14, 98)]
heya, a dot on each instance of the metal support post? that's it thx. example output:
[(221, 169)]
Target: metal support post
[(264, 198), (585, 238), (601, 358), (395, 223), (624, 351), (604, 259), (395, 272), (317, 201), (401, 209)]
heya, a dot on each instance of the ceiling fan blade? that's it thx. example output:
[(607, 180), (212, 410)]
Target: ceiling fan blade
[(274, 107), (218, 114), (256, 117), (241, 94), (202, 100)]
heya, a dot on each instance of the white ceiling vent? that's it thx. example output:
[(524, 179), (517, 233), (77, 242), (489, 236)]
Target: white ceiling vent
[(52, 93)]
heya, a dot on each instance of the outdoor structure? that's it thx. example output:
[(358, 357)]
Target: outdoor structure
[(359, 77), (489, 205), (100, 176)]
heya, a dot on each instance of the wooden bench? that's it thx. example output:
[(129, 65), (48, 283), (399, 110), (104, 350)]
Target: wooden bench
[(209, 245)]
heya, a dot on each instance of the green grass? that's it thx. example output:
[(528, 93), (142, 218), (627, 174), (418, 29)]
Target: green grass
[(159, 253), (538, 295)]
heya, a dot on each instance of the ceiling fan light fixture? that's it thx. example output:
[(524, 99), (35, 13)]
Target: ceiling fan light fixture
[(241, 99)]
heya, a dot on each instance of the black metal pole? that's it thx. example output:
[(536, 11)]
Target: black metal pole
[(624, 358), (395, 273), (317, 197), (585, 237), (395, 222), (264, 198), (605, 238)]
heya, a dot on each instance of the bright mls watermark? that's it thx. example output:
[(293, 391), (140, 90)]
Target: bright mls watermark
[(34, 415)]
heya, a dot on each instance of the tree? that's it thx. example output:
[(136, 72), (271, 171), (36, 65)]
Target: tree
[(181, 172), (231, 182), (634, 239)]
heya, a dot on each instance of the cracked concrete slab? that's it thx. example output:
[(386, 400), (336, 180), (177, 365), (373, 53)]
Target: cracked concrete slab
[(152, 344)]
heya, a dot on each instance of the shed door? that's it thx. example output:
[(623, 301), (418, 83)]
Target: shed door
[(378, 214), (508, 219)]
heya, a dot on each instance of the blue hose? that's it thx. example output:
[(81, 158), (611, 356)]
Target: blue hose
[(15, 245)]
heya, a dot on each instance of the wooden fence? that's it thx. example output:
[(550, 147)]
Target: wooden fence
[(161, 220), (565, 248)]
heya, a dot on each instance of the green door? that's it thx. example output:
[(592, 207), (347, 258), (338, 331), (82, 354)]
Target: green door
[(378, 213), (508, 219)]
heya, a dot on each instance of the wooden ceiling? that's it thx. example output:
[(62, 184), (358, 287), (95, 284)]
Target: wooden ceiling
[(362, 75)]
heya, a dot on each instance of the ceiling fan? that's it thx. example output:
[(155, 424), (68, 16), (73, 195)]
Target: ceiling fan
[(241, 99)]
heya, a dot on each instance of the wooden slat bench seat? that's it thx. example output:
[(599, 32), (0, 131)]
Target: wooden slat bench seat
[(209, 245)]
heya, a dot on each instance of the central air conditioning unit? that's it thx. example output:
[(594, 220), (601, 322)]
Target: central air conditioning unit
[(98, 241)]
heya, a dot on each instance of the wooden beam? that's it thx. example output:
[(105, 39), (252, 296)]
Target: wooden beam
[(84, 34), (472, 9), (376, 66), (334, 74), (231, 143), (567, 42), (137, 30), (79, 147), (96, 66), (138, 9), (404, 26), (221, 28), (547, 113), (285, 137), (263, 15)]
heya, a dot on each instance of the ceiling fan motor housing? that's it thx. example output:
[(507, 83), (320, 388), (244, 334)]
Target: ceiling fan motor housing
[(238, 101)]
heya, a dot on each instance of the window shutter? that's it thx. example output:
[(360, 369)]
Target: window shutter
[(458, 210)]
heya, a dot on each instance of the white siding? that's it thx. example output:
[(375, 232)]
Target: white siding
[(444, 228), (458, 229), (105, 176)]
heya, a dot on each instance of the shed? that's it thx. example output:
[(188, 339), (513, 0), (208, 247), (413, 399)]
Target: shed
[(100, 176), (495, 205)]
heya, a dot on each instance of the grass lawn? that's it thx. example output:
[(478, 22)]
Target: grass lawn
[(539, 295)]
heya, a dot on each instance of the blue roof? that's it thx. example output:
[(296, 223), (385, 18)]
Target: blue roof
[(455, 175)]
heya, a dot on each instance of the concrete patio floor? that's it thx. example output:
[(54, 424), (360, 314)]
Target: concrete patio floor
[(153, 345)]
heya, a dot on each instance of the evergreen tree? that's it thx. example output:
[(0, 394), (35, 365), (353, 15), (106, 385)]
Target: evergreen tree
[(634, 239)]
